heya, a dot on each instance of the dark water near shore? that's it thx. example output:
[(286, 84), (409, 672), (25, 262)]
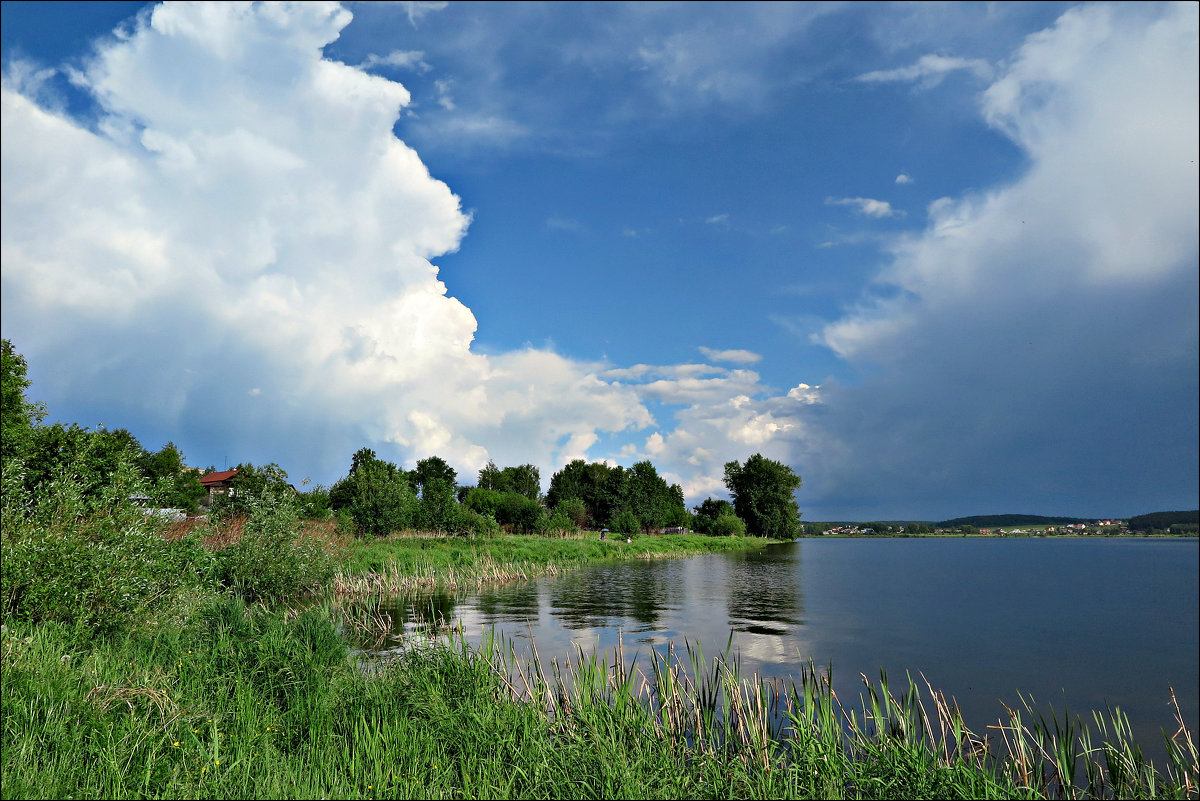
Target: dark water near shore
[(1073, 623)]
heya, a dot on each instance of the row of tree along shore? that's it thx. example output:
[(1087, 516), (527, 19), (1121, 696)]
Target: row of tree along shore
[(147, 659), (377, 497)]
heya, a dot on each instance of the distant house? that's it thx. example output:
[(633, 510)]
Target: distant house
[(218, 483)]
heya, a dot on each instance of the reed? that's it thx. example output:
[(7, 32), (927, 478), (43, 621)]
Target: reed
[(912, 745)]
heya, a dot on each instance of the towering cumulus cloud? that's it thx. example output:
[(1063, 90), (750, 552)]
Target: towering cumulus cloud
[(238, 243)]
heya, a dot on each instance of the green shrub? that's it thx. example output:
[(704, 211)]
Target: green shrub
[(727, 525), (478, 525), (273, 559), (556, 525), (575, 509), (625, 522), (93, 560)]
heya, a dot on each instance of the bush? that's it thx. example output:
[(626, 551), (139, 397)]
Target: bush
[(314, 504), (96, 562), (625, 522), (273, 559), (519, 513), (378, 498), (483, 501), (575, 509), (556, 525), (727, 525), (477, 525)]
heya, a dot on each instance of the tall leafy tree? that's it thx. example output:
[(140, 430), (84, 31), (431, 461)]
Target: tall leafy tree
[(763, 492), (491, 477), (595, 483), (377, 495), (174, 484), (652, 501), (437, 509), (434, 468), (524, 479), (707, 513), (18, 415)]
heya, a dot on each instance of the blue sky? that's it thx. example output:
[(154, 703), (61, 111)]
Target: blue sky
[(940, 258)]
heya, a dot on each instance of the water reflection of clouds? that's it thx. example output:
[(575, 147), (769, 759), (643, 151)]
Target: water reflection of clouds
[(765, 653)]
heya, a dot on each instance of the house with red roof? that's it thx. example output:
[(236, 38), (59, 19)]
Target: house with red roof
[(218, 483)]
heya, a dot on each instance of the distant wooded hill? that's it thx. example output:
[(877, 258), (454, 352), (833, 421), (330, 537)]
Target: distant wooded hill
[(997, 521), (1164, 520)]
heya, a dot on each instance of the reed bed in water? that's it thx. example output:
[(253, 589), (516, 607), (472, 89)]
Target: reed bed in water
[(407, 563), (915, 745), (394, 579)]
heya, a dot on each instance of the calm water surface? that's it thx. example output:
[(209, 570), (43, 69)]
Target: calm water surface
[(1074, 623)]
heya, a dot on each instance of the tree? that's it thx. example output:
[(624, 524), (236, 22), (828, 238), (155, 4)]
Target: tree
[(431, 469), (574, 510), (90, 457), (174, 484), (708, 512), (253, 485), (18, 415), (650, 499), (377, 495), (437, 509), (490, 477), (510, 509), (524, 479), (596, 484), (763, 496)]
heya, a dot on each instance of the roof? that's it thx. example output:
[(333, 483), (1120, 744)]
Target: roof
[(219, 477)]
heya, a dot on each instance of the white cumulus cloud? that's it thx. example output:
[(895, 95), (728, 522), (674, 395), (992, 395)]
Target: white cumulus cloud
[(865, 205), (233, 246)]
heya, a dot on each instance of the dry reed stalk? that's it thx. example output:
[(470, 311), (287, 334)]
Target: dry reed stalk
[(228, 532), (178, 529), (104, 697)]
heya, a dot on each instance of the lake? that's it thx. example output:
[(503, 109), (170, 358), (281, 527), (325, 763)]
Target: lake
[(1075, 623)]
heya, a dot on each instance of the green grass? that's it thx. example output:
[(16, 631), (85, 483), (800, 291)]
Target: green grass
[(247, 702)]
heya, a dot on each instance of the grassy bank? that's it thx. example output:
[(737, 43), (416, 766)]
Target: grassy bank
[(141, 665), (245, 702), (406, 562)]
